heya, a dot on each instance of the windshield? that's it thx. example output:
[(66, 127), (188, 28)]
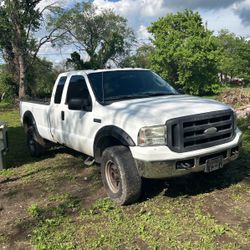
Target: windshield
[(128, 84)]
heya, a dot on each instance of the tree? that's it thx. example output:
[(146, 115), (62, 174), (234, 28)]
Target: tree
[(77, 63), (102, 35), (234, 57), (19, 19), (185, 52), (244, 53), (41, 78), (141, 58)]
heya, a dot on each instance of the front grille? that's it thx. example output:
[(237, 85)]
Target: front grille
[(188, 133)]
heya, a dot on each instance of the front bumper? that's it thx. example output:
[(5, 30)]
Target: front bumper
[(160, 162)]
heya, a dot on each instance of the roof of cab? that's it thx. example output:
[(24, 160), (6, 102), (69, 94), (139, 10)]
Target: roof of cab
[(89, 71), (110, 70)]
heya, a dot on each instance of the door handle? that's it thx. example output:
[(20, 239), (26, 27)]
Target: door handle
[(62, 115)]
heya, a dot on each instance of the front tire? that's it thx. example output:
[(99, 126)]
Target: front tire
[(120, 176)]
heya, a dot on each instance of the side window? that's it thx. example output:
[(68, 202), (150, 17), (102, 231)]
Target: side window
[(59, 89), (78, 89)]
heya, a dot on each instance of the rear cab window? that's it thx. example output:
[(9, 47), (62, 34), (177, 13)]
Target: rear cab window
[(59, 89)]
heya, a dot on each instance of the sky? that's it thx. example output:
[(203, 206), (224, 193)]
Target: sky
[(233, 15)]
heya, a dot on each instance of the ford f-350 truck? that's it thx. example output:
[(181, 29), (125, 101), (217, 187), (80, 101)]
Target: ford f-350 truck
[(135, 125)]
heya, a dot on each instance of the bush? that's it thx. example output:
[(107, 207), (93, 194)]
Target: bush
[(8, 88), (212, 89)]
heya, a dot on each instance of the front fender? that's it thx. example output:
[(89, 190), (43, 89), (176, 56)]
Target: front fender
[(110, 132)]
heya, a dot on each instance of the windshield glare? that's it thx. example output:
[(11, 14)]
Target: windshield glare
[(128, 84)]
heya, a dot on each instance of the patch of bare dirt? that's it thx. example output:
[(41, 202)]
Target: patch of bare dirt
[(226, 210), (17, 194), (235, 97)]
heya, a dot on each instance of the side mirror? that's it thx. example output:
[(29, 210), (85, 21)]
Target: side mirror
[(79, 104)]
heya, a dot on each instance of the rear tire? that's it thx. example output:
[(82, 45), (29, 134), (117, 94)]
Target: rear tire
[(120, 176), (35, 148)]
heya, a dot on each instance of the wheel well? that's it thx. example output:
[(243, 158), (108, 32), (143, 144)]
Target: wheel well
[(27, 122), (103, 143), (109, 136)]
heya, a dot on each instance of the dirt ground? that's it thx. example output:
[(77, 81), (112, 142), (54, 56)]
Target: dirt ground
[(34, 187)]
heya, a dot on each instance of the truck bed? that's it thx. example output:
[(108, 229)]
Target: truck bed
[(40, 111), (44, 101)]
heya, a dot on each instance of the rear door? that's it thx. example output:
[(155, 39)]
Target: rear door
[(56, 111)]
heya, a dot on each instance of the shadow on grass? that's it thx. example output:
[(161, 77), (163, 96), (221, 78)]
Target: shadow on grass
[(19, 154)]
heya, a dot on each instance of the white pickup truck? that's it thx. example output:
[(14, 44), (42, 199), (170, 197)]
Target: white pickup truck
[(135, 124)]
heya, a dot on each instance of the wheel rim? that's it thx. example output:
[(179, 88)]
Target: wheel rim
[(113, 176)]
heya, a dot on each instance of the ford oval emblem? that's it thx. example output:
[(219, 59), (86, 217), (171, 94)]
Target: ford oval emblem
[(210, 131)]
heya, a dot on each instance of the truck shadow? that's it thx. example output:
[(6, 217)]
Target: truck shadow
[(19, 154), (200, 183)]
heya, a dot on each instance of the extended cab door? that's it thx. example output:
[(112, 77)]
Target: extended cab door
[(56, 111)]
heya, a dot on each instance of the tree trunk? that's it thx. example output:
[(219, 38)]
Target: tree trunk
[(20, 68), (19, 48), (22, 77)]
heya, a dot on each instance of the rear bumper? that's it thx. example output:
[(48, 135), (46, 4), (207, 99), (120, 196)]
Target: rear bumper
[(166, 164)]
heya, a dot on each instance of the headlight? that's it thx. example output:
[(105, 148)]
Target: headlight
[(152, 136)]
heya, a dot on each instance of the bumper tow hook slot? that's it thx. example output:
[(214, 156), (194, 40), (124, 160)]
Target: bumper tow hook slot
[(184, 165)]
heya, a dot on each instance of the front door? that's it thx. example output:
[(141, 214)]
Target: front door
[(78, 124)]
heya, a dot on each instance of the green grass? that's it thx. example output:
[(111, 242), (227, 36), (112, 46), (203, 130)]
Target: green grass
[(212, 97), (56, 202)]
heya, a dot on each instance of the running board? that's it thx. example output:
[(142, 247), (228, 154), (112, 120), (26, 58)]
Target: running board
[(89, 161)]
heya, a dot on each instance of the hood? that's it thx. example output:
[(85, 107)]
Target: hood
[(157, 110)]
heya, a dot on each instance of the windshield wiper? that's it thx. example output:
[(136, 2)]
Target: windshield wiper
[(123, 97), (157, 94), (142, 95)]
